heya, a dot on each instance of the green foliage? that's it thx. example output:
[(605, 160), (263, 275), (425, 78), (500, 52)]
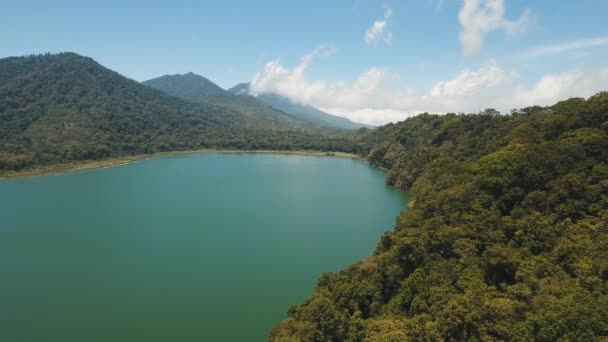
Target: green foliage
[(186, 86), (506, 237), (65, 107)]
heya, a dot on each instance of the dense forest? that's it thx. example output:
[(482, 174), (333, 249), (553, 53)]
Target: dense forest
[(58, 108), (505, 238), (187, 86)]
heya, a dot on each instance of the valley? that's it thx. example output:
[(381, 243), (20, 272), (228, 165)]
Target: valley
[(504, 238)]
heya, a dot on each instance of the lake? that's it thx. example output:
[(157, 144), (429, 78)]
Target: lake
[(211, 247)]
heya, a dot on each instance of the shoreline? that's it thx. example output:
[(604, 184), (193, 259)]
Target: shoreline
[(58, 169)]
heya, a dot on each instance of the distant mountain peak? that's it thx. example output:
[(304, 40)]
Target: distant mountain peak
[(65, 107), (240, 89), (187, 86), (301, 111)]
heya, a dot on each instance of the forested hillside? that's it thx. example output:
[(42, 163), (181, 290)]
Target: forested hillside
[(506, 236), (199, 89), (65, 107), (186, 86), (263, 109)]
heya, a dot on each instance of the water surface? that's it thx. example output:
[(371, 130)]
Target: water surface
[(187, 248)]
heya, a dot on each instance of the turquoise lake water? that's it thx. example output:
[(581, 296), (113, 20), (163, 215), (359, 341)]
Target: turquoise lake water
[(190, 248)]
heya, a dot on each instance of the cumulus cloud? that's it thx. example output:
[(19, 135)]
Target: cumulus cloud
[(376, 97), (379, 30), (276, 78), (556, 87), (471, 82), (556, 49), (479, 17)]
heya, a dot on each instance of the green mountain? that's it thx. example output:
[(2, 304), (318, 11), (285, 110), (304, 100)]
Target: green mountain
[(186, 86), (272, 107), (240, 89), (198, 89), (505, 237), (307, 113), (65, 107)]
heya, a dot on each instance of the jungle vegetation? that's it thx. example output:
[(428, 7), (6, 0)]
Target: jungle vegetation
[(506, 236), (58, 108)]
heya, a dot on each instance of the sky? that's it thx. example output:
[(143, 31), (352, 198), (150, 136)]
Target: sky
[(371, 61)]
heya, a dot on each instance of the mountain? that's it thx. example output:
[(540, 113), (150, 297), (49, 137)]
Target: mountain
[(269, 106), (240, 89), (256, 111), (307, 113), (199, 89), (186, 86), (505, 237), (58, 108)]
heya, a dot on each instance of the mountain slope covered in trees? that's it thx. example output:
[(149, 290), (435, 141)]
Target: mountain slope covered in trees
[(506, 237), (65, 107), (186, 86), (273, 107), (199, 89), (307, 113)]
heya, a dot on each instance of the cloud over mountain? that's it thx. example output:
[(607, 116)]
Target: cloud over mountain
[(377, 96)]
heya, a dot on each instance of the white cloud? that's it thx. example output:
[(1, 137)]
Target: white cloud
[(375, 96), (479, 17), (379, 30), (291, 83), (556, 49), (552, 88), (470, 82)]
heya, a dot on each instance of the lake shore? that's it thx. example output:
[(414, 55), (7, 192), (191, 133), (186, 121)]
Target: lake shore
[(118, 161)]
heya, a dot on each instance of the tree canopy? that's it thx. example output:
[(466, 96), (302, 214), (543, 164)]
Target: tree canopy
[(506, 236), (65, 107)]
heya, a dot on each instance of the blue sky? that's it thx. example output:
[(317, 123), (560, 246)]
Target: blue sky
[(425, 55)]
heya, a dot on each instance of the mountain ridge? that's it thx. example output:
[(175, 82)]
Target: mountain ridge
[(188, 85), (64, 107), (305, 112), (198, 89)]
